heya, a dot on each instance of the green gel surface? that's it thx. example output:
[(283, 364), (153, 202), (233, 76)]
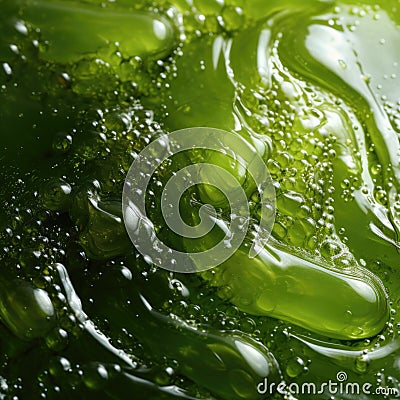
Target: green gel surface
[(312, 87)]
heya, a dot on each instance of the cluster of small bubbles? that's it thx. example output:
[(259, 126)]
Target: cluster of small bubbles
[(121, 136), (344, 260), (347, 195), (92, 77), (380, 195), (224, 321), (329, 249), (213, 16), (131, 76), (297, 152), (93, 376)]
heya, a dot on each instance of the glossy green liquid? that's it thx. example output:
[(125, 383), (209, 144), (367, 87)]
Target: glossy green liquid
[(314, 89)]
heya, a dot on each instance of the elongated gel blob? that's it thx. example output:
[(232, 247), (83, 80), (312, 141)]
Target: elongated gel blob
[(343, 305), (73, 30)]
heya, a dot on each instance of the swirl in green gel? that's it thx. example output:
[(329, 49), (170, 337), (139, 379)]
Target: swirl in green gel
[(339, 304)]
